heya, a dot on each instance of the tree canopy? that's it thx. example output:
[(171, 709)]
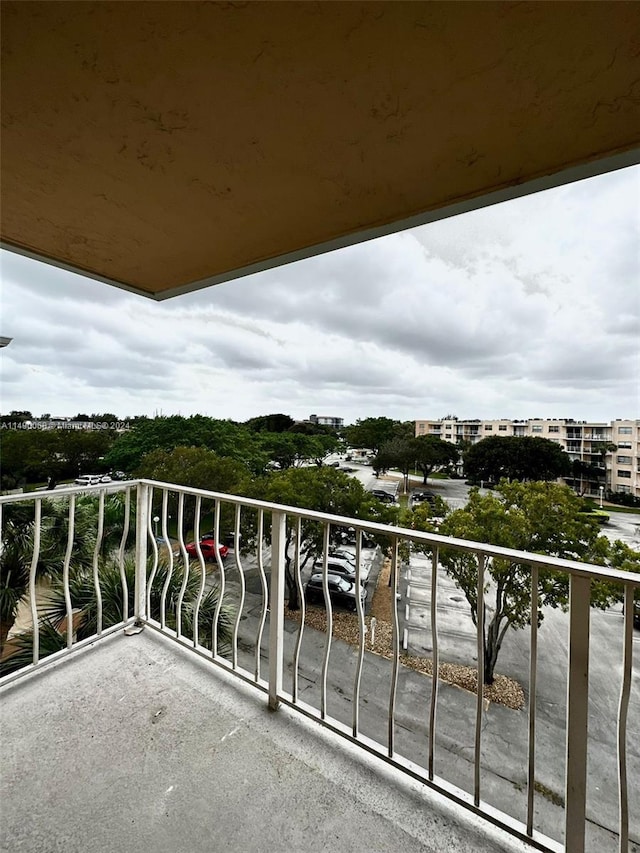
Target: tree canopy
[(425, 452), (225, 437), (371, 433), (324, 490), (540, 517), (516, 458), (30, 456), (270, 423)]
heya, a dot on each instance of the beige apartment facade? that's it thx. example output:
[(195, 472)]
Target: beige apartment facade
[(585, 441)]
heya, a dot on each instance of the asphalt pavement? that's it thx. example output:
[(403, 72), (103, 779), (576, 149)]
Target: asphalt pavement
[(504, 731)]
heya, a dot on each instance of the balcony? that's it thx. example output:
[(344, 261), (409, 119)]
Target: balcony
[(154, 731)]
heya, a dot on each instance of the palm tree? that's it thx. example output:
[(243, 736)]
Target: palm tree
[(84, 600), (18, 539), (18, 544)]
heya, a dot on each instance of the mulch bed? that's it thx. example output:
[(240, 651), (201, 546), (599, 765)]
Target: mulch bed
[(504, 691)]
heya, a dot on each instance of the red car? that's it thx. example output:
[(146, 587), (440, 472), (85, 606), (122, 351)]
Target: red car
[(208, 548)]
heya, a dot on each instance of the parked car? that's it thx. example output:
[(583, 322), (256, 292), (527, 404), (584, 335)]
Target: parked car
[(344, 568), (385, 497), (88, 480), (105, 479), (342, 592), (208, 548), (348, 537), (119, 475), (419, 497), (343, 554)]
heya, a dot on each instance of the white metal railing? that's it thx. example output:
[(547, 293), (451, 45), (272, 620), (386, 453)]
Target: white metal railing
[(170, 587)]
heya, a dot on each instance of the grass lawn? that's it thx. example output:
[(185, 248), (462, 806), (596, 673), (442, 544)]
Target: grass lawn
[(634, 510)]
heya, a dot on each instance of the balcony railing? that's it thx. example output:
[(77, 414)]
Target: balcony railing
[(152, 525)]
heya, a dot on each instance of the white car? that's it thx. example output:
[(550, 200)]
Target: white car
[(87, 480), (91, 480), (338, 566)]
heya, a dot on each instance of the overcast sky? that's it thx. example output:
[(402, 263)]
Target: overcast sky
[(526, 309)]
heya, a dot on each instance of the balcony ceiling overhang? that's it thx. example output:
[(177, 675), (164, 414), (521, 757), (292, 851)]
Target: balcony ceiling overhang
[(163, 147)]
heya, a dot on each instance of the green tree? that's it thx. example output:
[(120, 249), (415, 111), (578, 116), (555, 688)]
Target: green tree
[(371, 433), (80, 451), (30, 456), (270, 423), (398, 453), (200, 469), (516, 458), (431, 452), (224, 437), (16, 416), (322, 489), (52, 635), (18, 538), (196, 467), (539, 517), (291, 449)]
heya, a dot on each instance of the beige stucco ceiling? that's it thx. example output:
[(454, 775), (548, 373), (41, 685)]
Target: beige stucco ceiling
[(167, 146)]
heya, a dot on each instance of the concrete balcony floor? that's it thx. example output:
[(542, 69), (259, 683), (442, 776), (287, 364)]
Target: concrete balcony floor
[(136, 744)]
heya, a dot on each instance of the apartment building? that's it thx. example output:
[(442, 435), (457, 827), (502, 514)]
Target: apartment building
[(327, 420), (584, 441)]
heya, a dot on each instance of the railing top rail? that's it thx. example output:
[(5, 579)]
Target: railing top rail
[(573, 567), (63, 492)]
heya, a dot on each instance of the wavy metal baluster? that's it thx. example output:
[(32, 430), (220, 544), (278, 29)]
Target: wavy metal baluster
[(154, 547), (121, 552), (435, 558), (185, 563), (65, 568), (165, 536), (623, 709), (480, 684), (329, 610), (222, 584), (203, 574), (236, 624), (303, 610), (37, 525), (96, 556), (533, 673), (265, 592), (361, 629), (396, 647)]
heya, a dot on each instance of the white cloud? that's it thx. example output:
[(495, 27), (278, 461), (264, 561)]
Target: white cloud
[(530, 308)]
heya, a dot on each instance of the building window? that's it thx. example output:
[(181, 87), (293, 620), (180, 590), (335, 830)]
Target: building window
[(502, 427), (488, 427), (624, 460), (624, 445), (536, 428), (624, 475), (624, 430), (420, 427), (624, 490), (554, 428)]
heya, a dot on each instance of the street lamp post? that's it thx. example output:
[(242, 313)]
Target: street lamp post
[(156, 519), (601, 493)]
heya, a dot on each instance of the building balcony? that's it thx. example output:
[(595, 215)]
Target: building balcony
[(153, 730)]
